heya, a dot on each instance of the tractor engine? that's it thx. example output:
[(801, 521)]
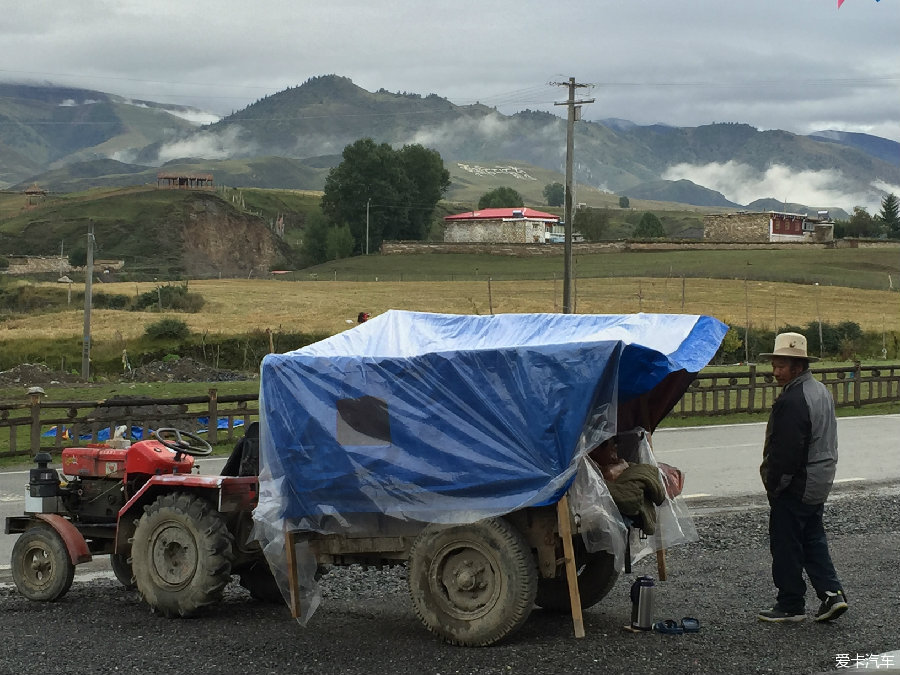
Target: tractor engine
[(92, 500), (95, 489), (99, 479)]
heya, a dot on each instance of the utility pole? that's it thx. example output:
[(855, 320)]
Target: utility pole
[(88, 281), (574, 115), (367, 224)]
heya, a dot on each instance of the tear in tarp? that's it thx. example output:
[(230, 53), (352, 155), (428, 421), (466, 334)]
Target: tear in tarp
[(414, 418)]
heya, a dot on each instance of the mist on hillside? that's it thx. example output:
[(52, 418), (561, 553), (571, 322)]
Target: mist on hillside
[(742, 184)]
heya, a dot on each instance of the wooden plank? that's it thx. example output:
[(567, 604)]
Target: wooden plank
[(565, 533), (293, 584)]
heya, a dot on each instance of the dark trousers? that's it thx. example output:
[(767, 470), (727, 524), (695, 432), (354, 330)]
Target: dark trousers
[(797, 542)]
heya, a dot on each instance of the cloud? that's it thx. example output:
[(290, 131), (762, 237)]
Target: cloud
[(194, 116), (208, 145), (743, 184)]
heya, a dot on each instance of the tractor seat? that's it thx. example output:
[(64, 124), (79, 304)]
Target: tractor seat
[(244, 459)]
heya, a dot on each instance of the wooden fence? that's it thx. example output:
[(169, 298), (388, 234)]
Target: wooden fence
[(36, 424), (30, 421), (754, 390)]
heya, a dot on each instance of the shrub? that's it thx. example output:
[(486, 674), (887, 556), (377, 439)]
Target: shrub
[(167, 328), (169, 297)]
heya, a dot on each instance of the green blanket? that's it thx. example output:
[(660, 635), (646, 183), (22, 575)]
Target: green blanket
[(637, 492)]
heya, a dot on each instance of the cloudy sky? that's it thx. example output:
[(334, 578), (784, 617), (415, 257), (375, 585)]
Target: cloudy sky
[(798, 65)]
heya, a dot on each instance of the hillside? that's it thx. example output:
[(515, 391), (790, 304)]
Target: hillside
[(48, 128), (158, 233)]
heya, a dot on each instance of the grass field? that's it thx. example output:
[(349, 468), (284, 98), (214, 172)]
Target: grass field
[(239, 306)]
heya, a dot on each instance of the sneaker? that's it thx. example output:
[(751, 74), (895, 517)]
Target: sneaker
[(778, 615), (834, 604)]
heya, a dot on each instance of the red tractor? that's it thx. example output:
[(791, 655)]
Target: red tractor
[(173, 534)]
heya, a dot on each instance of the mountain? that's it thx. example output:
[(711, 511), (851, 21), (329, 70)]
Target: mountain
[(308, 126), (680, 191), (787, 207), (882, 148), (41, 127)]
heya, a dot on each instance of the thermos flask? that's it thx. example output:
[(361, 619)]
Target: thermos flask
[(642, 592)]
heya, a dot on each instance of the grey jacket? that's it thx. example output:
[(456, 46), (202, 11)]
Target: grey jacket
[(800, 454)]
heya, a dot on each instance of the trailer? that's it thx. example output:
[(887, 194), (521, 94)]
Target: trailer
[(460, 446)]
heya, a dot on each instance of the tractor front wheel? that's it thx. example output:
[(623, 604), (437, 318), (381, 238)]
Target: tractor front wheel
[(181, 555), (41, 567)]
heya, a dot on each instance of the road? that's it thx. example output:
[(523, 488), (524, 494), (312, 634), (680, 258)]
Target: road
[(718, 461)]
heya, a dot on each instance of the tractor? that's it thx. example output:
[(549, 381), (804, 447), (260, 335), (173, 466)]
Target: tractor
[(173, 534)]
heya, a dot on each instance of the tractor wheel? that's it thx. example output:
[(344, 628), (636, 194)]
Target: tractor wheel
[(258, 579), (596, 577), (181, 555), (472, 584), (122, 569), (41, 567)]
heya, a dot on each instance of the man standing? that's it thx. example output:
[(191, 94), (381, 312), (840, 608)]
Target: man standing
[(798, 467)]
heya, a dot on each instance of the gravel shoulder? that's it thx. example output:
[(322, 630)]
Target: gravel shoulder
[(366, 623)]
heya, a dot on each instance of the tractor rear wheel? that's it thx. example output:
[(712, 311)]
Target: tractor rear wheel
[(472, 584), (181, 555), (41, 567), (259, 580), (122, 569), (596, 577)]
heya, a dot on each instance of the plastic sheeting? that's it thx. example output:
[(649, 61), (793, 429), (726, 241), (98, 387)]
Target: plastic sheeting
[(415, 418)]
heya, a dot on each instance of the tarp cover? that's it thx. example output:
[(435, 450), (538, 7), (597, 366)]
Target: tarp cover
[(450, 418)]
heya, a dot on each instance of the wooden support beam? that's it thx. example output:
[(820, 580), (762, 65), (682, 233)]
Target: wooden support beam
[(565, 533), (293, 584)]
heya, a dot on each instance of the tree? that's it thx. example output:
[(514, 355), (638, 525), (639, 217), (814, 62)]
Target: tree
[(650, 227), (592, 223), (338, 243), (555, 194), (315, 237), (499, 198), (401, 188), (623, 202), (430, 180), (889, 216), (861, 224)]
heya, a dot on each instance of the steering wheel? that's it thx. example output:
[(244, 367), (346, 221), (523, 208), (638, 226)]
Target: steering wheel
[(174, 439)]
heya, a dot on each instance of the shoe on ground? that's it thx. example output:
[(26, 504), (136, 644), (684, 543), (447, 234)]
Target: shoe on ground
[(832, 606), (778, 615)]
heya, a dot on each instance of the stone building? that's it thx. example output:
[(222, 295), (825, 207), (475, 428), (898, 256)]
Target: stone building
[(772, 226), (519, 225)]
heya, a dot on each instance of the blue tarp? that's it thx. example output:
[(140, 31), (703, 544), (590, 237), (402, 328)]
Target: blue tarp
[(448, 418), (137, 433)]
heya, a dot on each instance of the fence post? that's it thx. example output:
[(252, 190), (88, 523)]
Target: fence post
[(751, 402), (213, 426), (857, 385), (34, 397)]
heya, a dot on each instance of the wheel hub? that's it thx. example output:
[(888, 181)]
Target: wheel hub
[(465, 580), (174, 555), (39, 564)]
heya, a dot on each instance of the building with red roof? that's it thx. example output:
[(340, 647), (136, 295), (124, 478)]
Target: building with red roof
[(517, 225)]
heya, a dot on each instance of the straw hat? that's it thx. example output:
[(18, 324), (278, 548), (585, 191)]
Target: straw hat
[(792, 345)]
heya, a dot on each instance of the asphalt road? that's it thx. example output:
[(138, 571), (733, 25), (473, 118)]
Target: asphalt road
[(718, 461), (366, 623)]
